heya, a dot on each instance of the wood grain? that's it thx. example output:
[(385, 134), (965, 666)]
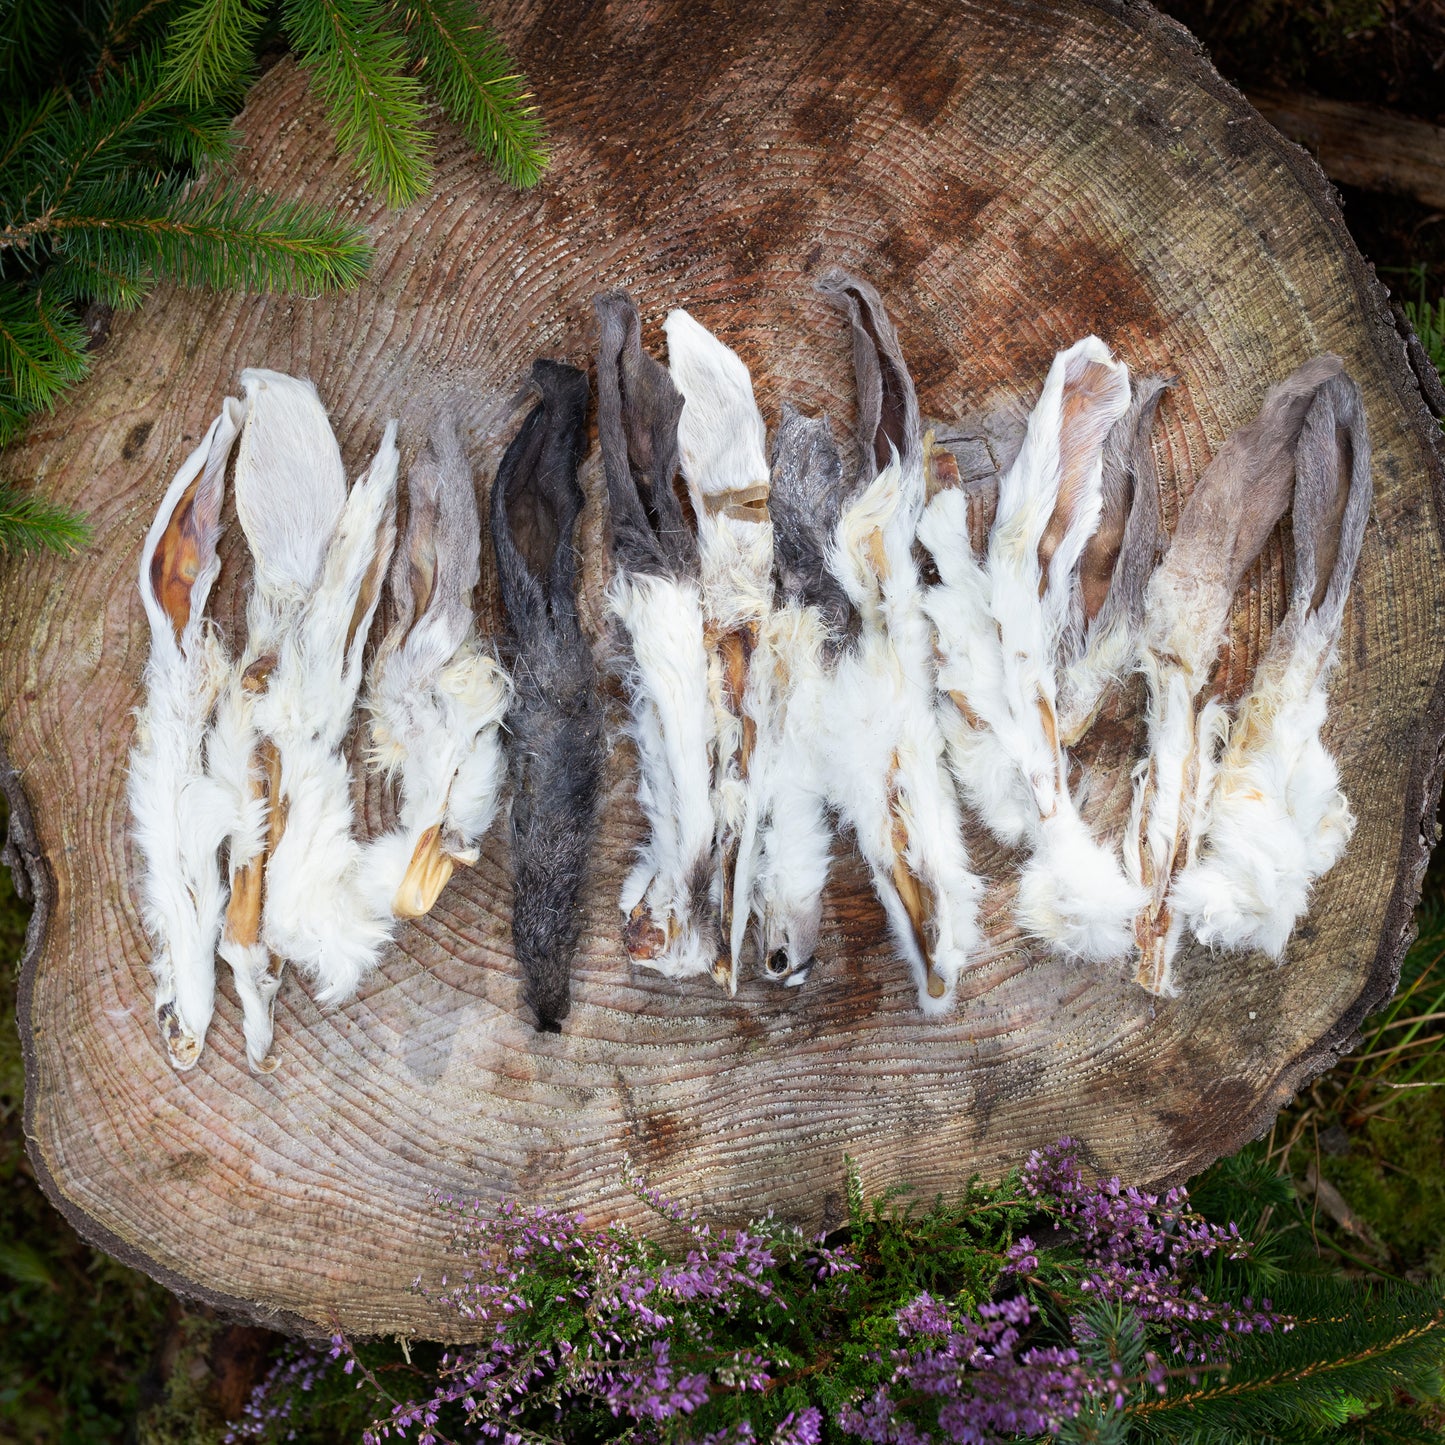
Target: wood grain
[(1011, 175)]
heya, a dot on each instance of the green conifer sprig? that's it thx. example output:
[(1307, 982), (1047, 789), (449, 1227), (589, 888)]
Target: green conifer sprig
[(28, 524), (210, 49)]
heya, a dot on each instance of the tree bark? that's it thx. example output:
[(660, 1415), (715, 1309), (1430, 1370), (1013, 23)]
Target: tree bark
[(1012, 176)]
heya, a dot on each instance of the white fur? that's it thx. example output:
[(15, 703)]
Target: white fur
[(316, 912), (790, 782), (883, 748), (1277, 819), (180, 818), (1183, 629), (721, 444), (1000, 627), (673, 726)]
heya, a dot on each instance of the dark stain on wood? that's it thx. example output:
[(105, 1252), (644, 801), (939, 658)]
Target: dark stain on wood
[(135, 439)]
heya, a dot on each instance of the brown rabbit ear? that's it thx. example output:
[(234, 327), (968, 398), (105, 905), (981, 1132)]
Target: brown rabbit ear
[(637, 414), (1245, 490), (887, 403), (1119, 557), (1333, 490)]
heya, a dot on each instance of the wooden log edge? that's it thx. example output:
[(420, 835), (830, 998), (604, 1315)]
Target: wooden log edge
[(1394, 343)]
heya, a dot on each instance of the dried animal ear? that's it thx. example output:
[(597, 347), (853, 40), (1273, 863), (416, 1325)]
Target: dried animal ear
[(536, 500), (888, 418), (1332, 497), (377, 527), (555, 719), (178, 558), (637, 415), (1125, 546), (290, 482), (805, 499)]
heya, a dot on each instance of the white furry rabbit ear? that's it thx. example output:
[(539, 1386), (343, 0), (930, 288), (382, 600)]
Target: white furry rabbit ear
[(811, 622), (435, 696), (1277, 819), (318, 911), (290, 488), (1235, 505), (722, 447), (886, 770), (656, 595), (1116, 565), (179, 819)]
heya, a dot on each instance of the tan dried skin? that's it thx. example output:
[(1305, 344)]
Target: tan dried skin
[(643, 937), (426, 875), (917, 896), (177, 561), (1085, 394)]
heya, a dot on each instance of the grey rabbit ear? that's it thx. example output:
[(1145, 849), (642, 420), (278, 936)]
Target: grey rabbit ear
[(887, 403), (1118, 559), (1246, 489), (638, 409), (1332, 497), (805, 500), (555, 720)]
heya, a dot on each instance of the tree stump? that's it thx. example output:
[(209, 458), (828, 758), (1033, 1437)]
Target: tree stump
[(1011, 176)]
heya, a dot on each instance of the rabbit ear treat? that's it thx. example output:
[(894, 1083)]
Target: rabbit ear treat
[(435, 696), (1235, 505), (555, 718), (319, 911), (810, 622), (179, 818), (656, 596), (1277, 820), (290, 488), (1001, 628), (1115, 567), (723, 453), (886, 770)]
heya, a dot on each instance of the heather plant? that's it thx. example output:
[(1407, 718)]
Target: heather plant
[(1049, 1306)]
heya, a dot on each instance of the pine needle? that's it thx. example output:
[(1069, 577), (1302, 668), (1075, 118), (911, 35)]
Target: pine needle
[(42, 348), (375, 108), (474, 79), (210, 48), (28, 524)]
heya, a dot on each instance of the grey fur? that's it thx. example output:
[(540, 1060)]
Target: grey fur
[(555, 720), (805, 499), (637, 412)]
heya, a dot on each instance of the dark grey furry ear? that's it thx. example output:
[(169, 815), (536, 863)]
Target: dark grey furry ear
[(637, 413), (805, 498), (887, 404), (555, 721)]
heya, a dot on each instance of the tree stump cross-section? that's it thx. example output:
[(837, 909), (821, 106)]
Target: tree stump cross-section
[(1011, 176)]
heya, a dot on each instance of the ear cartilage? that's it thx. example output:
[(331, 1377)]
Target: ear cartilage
[(1001, 628), (179, 818), (656, 596), (723, 454), (1235, 505), (435, 696), (887, 775), (555, 719), (1277, 820), (810, 623)]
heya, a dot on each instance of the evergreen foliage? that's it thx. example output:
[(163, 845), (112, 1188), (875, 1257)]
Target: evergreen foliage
[(114, 143)]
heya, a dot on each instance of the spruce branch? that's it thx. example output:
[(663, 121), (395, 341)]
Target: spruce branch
[(375, 107), (28, 524), (210, 48), (42, 349), (218, 235), (472, 76)]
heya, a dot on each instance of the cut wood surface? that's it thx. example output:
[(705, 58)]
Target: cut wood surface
[(1361, 145), (1011, 176)]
